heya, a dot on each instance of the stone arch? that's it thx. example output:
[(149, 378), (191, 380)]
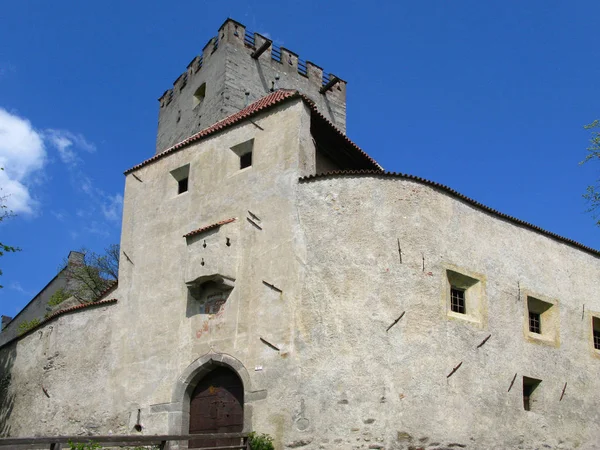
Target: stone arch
[(187, 382)]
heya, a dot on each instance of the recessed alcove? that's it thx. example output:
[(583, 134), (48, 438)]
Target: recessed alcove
[(208, 294)]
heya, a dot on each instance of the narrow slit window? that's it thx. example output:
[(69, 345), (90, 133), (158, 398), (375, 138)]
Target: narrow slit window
[(457, 300), (199, 95), (596, 332), (529, 387), (535, 324)]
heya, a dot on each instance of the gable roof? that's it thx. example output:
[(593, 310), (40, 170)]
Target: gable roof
[(453, 193), (269, 101)]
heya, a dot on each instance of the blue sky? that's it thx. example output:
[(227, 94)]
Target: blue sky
[(487, 97)]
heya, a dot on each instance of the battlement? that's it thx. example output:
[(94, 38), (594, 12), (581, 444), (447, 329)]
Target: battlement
[(235, 67)]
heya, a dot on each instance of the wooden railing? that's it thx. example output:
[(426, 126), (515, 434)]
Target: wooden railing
[(161, 442)]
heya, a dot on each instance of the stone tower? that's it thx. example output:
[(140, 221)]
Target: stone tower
[(238, 67)]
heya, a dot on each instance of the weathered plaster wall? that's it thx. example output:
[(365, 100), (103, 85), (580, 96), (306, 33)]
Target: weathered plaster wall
[(162, 330), (366, 386), (58, 379)]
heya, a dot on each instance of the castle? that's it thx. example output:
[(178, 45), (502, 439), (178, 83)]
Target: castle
[(274, 277)]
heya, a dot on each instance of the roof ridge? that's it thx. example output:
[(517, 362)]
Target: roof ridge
[(259, 105), (275, 98), (460, 196)]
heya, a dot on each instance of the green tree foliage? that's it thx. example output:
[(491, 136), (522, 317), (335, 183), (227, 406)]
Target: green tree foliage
[(58, 297), (592, 193), (87, 280), (27, 325), (5, 213)]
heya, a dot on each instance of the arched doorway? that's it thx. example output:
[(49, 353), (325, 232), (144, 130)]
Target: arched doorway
[(217, 406)]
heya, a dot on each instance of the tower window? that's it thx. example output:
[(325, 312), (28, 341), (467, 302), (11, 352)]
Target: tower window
[(529, 387), (457, 300), (199, 94), (596, 332), (244, 153)]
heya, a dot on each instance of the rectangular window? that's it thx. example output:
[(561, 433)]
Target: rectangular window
[(182, 185), (246, 160), (181, 176), (457, 300), (596, 332), (541, 320), (244, 153), (535, 325), (529, 387)]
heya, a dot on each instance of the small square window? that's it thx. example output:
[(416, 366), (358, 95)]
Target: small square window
[(465, 297), (244, 153), (457, 300), (535, 325), (529, 387), (182, 185), (541, 320), (596, 332), (181, 177)]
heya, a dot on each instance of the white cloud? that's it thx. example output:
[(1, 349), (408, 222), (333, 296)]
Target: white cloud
[(22, 154), (112, 207), (16, 286), (67, 144)]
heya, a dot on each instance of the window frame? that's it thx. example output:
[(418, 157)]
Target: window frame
[(473, 285), (549, 318)]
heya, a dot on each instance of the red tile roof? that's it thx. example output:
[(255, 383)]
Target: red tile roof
[(208, 227), (108, 289), (276, 98), (82, 306), (452, 192)]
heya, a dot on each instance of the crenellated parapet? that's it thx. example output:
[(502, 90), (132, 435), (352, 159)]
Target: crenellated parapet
[(237, 66)]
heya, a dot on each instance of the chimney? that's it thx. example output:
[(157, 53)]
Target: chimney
[(5, 321), (75, 258)]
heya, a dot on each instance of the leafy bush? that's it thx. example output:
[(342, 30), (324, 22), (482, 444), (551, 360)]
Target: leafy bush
[(58, 297), (26, 326), (84, 446), (260, 441)]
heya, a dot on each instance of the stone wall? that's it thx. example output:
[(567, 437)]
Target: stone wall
[(38, 307), (230, 72), (379, 248), (57, 380)]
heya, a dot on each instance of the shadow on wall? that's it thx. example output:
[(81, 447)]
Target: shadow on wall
[(7, 396)]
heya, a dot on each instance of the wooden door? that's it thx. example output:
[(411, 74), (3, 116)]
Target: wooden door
[(217, 406)]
